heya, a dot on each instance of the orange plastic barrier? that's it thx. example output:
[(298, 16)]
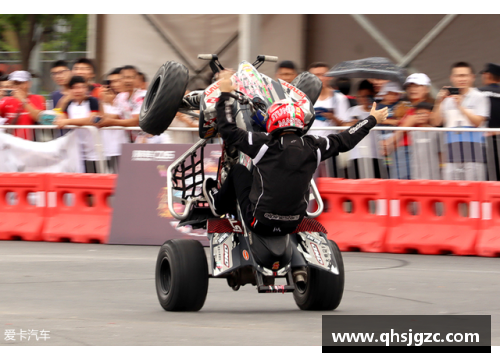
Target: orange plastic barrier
[(78, 207), (433, 217), (22, 206), (488, 241), (355, 213)]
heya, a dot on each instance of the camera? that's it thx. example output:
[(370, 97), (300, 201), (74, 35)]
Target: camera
[(8, 92), (453, 91)]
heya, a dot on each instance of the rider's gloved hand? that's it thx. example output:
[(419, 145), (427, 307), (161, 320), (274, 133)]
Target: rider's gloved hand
[(380, 115), (226, 85)]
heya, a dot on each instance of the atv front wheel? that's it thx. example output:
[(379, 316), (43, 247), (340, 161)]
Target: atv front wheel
[(163, 98), (182, 275), (322, 289)]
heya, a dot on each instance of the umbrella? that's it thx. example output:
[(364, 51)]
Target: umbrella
[(375, 67)]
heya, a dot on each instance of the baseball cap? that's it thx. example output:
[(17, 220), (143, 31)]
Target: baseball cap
[(418, 79), (492, 68), (390, 87), (20, 76)]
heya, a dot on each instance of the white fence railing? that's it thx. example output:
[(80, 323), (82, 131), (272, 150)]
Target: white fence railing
[(387, 152)]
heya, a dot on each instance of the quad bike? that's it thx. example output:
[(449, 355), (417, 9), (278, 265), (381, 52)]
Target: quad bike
[(310, 265)]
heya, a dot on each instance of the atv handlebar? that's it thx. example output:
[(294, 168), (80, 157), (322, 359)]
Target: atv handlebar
[(267, 58), (208, 56)]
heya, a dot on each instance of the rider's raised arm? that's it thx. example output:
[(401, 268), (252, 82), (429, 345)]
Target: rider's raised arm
[(333, 144), (345, 141), (247, 142)]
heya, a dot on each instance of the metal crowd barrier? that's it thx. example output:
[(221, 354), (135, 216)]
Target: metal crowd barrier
[(387, 152), (434, 153)]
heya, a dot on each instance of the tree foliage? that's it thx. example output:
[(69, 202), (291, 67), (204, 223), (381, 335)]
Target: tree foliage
[(64, 32)]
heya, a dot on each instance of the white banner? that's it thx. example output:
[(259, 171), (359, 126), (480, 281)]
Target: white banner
[(59, 155)]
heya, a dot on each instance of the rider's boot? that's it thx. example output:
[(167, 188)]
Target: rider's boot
[(209, 191)]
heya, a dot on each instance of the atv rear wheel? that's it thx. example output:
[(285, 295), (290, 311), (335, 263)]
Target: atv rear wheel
[(182, 275), (163, 98), (322, 289)]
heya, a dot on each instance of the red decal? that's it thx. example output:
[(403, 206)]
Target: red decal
[(212, 88), (293, 89), (245, 255), (317, 253), (276, 265), (211, 100)]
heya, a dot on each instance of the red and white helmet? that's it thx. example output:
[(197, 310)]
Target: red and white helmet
[(284, 114)]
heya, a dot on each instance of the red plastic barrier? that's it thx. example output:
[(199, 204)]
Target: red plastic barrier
[(355, 213), (433, 217), (22, 205), (84, 217), (488, 241)]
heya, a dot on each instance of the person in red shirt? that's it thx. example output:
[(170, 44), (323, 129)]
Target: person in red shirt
[(22, 108)]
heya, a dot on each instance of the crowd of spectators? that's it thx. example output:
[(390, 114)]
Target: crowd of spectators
[(79, 101), (416, 154), (399, 154)]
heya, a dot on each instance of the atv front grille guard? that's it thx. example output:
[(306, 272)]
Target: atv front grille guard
[(186, 175)]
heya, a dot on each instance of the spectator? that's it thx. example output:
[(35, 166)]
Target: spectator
[(390, 95), (344, 86), (61, 74), (417, 87), (128, 102), (85, 68), (423, 150), (468, 109), (5, 91), (364, 158), (331, 110), (377, 86), (5, 88), (22, 108), (141, 81), (81, 110), (331, 106), (491, 88), (112, 139), (286, 70)]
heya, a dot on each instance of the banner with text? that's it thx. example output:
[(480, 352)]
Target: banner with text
[(140, 208)]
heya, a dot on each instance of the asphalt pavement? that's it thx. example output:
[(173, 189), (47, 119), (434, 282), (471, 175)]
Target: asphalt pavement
[(104, 295)]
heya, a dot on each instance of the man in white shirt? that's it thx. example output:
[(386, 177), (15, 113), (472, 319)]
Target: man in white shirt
[(112, 140), (330, 109), (126, 105), (331, 106), (128, 102), (462, 106)]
